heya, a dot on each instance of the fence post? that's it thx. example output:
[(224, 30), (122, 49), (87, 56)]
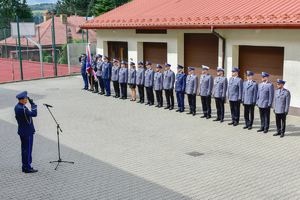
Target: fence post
[(27, 50), (12, 66), (39, 35), (87, 33), (67, 33), (68, 53), (53, 61), (21, 69), (5, 44), (53, 26)]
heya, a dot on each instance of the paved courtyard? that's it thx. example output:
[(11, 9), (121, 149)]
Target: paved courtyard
[(124, 150)]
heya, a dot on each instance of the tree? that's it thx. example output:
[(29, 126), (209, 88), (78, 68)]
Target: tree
[(103, 6)]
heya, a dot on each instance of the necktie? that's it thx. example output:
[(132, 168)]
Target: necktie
[(248, 82)]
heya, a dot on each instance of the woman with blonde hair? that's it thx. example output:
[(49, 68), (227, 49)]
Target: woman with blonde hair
[(132, 80)]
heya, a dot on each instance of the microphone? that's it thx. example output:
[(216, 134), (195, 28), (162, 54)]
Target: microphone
[(47, 105)]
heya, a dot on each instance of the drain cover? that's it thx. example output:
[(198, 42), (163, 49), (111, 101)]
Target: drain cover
[(195, 153), (53, 89)]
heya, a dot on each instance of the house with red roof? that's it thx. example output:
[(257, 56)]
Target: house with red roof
[(258, 36)]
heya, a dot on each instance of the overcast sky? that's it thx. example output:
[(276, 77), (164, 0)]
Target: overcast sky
[(31, 2)]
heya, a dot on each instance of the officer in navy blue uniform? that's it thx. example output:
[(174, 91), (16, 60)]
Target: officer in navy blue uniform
[(235, 92), (140, 81), (180, 83), (281, 107), (249, 99), (169, 79), (25, 129), (264, 101), (82, 59), (149, 81), (205, 88), (158, 86), (220, 89), (115, 78), (191, 90), (106, 75), (123, 79)]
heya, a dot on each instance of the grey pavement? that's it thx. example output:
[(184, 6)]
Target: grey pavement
[(125, 150)]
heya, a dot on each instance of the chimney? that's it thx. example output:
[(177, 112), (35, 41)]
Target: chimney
[(47, 16), (63, 18)]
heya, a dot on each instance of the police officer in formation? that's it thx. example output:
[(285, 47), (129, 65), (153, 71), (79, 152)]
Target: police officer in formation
[(205, 88), (132, 80), (249, 99), (220, 89), (168, 85), (281, 107), (91, 75), (149, 78), (115, 78), (235, 92), (264, 101), (140, 81), (26, 129), (100, 64), (123, 79), (180, 84), (158, 85), (106, 75), (191, 90), (82, 60)]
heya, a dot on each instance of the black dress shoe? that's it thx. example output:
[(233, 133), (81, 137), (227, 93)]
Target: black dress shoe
[(167, 107), (207, 117), (133, 99), (95, 91), (121, 98), (260, 130), (29, 170), (147, 103), (282, 135), (159, 106), (178, 110), (151, 104), (90, 90), (216, 120), (231, 123), (249, 127), (171, 108), (245, 127), (204, 116), (84, 88), (139, 101), (156, 106), (181, 111), (194, 113), (265, 131), (189, 113), (276, 134), (221, 120), (142, 101), (235, 124)]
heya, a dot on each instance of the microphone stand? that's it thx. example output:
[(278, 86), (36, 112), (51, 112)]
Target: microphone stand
[(58, 129)]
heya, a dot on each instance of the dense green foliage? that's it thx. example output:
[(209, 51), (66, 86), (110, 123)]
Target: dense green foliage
[(42, 6)]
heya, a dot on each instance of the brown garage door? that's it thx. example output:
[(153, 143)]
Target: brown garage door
[(261, 59), (201, 49), (156, 53)]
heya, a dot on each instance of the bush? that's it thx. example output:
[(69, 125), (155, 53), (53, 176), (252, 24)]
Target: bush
[(48, 59)]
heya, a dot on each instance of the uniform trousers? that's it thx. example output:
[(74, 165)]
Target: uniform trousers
[(96, 85), (235, 111), (141, 92), (159, 97), (100, 81), (150, 96), (180, 100), (249, 114), (206, 105), (192, 102), (280, 123), (85, 80), (264, 118), (220, 107), (107, 86), (116, 88), (91, 80), (26, 148), (170, 97), (124, 90)]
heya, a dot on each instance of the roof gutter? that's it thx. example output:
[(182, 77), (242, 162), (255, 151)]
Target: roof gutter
[(223, 45)]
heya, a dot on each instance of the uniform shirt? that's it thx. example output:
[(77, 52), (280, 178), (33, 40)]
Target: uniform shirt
[(115, 73), (169, 79), (220, 87), (123, 75), (140, 76), (158, 81), (93, 66), (24, 119), (249, 92), (132, 76), (206, 85), (99, 67), (282, 101), (265, 95), (191, 84), (235, 89), (180, 82), (106, 74), (83, 65), (149, 78)]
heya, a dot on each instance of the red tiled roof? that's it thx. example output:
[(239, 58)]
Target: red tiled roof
[(60, 33), (180, 14)]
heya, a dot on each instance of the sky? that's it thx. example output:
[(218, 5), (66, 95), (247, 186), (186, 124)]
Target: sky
[(32, 2)]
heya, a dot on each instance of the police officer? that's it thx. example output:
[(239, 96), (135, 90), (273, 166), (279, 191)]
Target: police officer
[(149, 78), (264, 101), (180, 84), (281, 107), (115, 78), (91, 75), (205, 88), (82, 59), (123, 79), (25, 129), (100, 64), (140, 81), (235, 92), (220, 89), (106, 75), (132, 80), (158, 86), (191, 90), (94, 75), (168, 85), (249, 100)]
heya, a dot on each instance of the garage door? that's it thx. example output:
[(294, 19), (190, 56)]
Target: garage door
[(261, 59), (201, 49), (156, 53)]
